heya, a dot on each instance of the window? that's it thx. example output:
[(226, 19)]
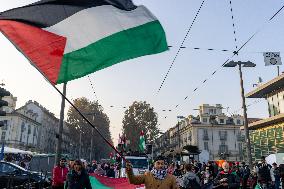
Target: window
[(238, 122), (6, 168), (222, 121), (223, 147), (204, 120), (3, 135), (206, 146), (205, 132), (223, 135), (240, 148), (210, 111)]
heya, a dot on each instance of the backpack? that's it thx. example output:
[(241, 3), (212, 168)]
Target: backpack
[(192, 184)]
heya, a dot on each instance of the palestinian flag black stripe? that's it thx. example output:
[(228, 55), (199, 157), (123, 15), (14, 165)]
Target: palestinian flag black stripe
[(49, 12), (69, 39)]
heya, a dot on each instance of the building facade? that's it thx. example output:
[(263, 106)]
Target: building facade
[(32, 127), (20, 129), (211, 130), (267, 134)]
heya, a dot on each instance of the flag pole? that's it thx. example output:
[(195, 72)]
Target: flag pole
[(85, 118), (60, 129)]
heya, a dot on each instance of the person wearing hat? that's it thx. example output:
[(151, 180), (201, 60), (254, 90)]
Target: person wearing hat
[(157, 178), (59, 174)]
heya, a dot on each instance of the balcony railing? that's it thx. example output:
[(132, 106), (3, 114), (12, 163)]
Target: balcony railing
[(223, 137), (205, 137)]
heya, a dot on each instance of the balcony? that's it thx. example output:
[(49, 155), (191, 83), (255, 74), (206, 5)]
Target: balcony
[(240, 138), (205, 137)]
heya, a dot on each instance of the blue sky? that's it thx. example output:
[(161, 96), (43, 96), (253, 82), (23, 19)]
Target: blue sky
[(139, 79)]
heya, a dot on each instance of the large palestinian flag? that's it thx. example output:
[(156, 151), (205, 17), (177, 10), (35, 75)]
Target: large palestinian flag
[(68, 39)]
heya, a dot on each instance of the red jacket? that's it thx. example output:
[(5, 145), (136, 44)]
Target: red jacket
[(59, 175)]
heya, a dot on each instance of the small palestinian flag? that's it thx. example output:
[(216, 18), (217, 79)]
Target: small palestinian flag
[(142, 144), (68, 39)]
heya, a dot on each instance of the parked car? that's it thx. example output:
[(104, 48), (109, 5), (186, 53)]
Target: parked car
[(12, 175)]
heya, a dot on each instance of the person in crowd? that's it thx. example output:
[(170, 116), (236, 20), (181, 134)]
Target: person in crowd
[(158, 178), (78, 178), (264, 174), (111, 172), (178, 173), (171, 168), (225, 179), (206, 176), (281, 168), (59, 174), (244, 173), (99, 170), (94, 165), (71, 164), (277, 175), (190, 179)]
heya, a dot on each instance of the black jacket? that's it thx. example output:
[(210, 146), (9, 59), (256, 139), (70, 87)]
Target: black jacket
[(76, 181), (232, 180)]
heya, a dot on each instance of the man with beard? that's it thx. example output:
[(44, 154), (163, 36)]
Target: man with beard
[(225, 179), (158, 178)]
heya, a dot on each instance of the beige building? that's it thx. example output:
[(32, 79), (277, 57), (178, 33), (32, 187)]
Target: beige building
[(211, 130), (32, 127)]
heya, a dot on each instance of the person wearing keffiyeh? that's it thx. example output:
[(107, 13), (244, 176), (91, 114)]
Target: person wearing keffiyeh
[(158, 178)]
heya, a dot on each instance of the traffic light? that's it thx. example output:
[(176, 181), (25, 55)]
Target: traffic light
[(3, 93)]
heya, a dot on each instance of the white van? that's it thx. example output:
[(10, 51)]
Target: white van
[(140, 165)]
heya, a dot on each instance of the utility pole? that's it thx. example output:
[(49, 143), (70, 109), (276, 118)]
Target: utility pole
[(246, 129), (245, 118), (60, 129), (91, 151)]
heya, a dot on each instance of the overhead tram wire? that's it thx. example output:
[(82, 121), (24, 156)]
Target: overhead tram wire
[(234, 54), (180, 47), (227, 50), (93, 88), (234, 26)]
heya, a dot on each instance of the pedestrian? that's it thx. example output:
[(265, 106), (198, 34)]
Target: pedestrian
[(110, 172), (78, 178), (264, 174), (158, 178), (206, 176), (99, 170), (225, 179), (190, 180), (277, 175), (178, 173), (171, 168), (59, 174)]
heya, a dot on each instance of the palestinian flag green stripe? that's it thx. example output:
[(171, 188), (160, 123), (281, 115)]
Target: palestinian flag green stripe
[(118, 47)]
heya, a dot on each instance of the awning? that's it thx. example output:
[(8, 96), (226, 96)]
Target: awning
[(267, 88)]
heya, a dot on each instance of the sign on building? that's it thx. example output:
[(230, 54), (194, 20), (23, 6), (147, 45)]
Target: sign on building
[(272, 58)]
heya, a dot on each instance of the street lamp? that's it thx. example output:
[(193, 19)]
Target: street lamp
[(244, 64)]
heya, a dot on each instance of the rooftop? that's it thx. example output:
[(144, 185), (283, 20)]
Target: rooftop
[(267, 88), (266, 122)]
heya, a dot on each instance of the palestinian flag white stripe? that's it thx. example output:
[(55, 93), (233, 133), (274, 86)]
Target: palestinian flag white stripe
[(93, 24)]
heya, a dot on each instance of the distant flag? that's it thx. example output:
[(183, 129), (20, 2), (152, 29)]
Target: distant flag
[(2, 152), (66, 40), (142, 144)]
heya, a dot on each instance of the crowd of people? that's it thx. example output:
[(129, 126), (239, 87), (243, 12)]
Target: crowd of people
[(193, 175), (22, 160), (196, 175), (74, 174)]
